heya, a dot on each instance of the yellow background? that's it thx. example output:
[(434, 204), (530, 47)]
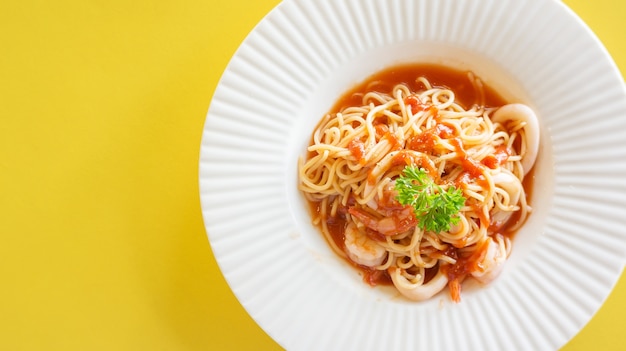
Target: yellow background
[(102, 105)]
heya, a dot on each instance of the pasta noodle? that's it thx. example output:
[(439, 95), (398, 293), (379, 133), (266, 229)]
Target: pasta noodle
[(358, 152)]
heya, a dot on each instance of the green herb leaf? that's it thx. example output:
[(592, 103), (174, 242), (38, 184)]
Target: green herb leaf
[(435, 209)]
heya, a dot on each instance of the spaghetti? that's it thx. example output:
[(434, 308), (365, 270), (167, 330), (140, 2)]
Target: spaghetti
[(358, 153)]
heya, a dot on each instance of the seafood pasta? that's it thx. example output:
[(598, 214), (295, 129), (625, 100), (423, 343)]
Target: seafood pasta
[(417, 177)]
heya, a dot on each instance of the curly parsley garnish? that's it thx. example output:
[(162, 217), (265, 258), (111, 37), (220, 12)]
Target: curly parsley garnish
[(435, 208)]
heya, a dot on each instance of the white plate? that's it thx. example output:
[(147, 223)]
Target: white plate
[(289, 72)]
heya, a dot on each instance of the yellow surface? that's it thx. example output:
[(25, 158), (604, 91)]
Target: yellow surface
[(102, 105)]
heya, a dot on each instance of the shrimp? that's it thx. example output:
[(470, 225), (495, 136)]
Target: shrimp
[(522, 114), (414, 290), (395, 222), (361, 249), (387, 204), (489, 259), (394, 158)]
